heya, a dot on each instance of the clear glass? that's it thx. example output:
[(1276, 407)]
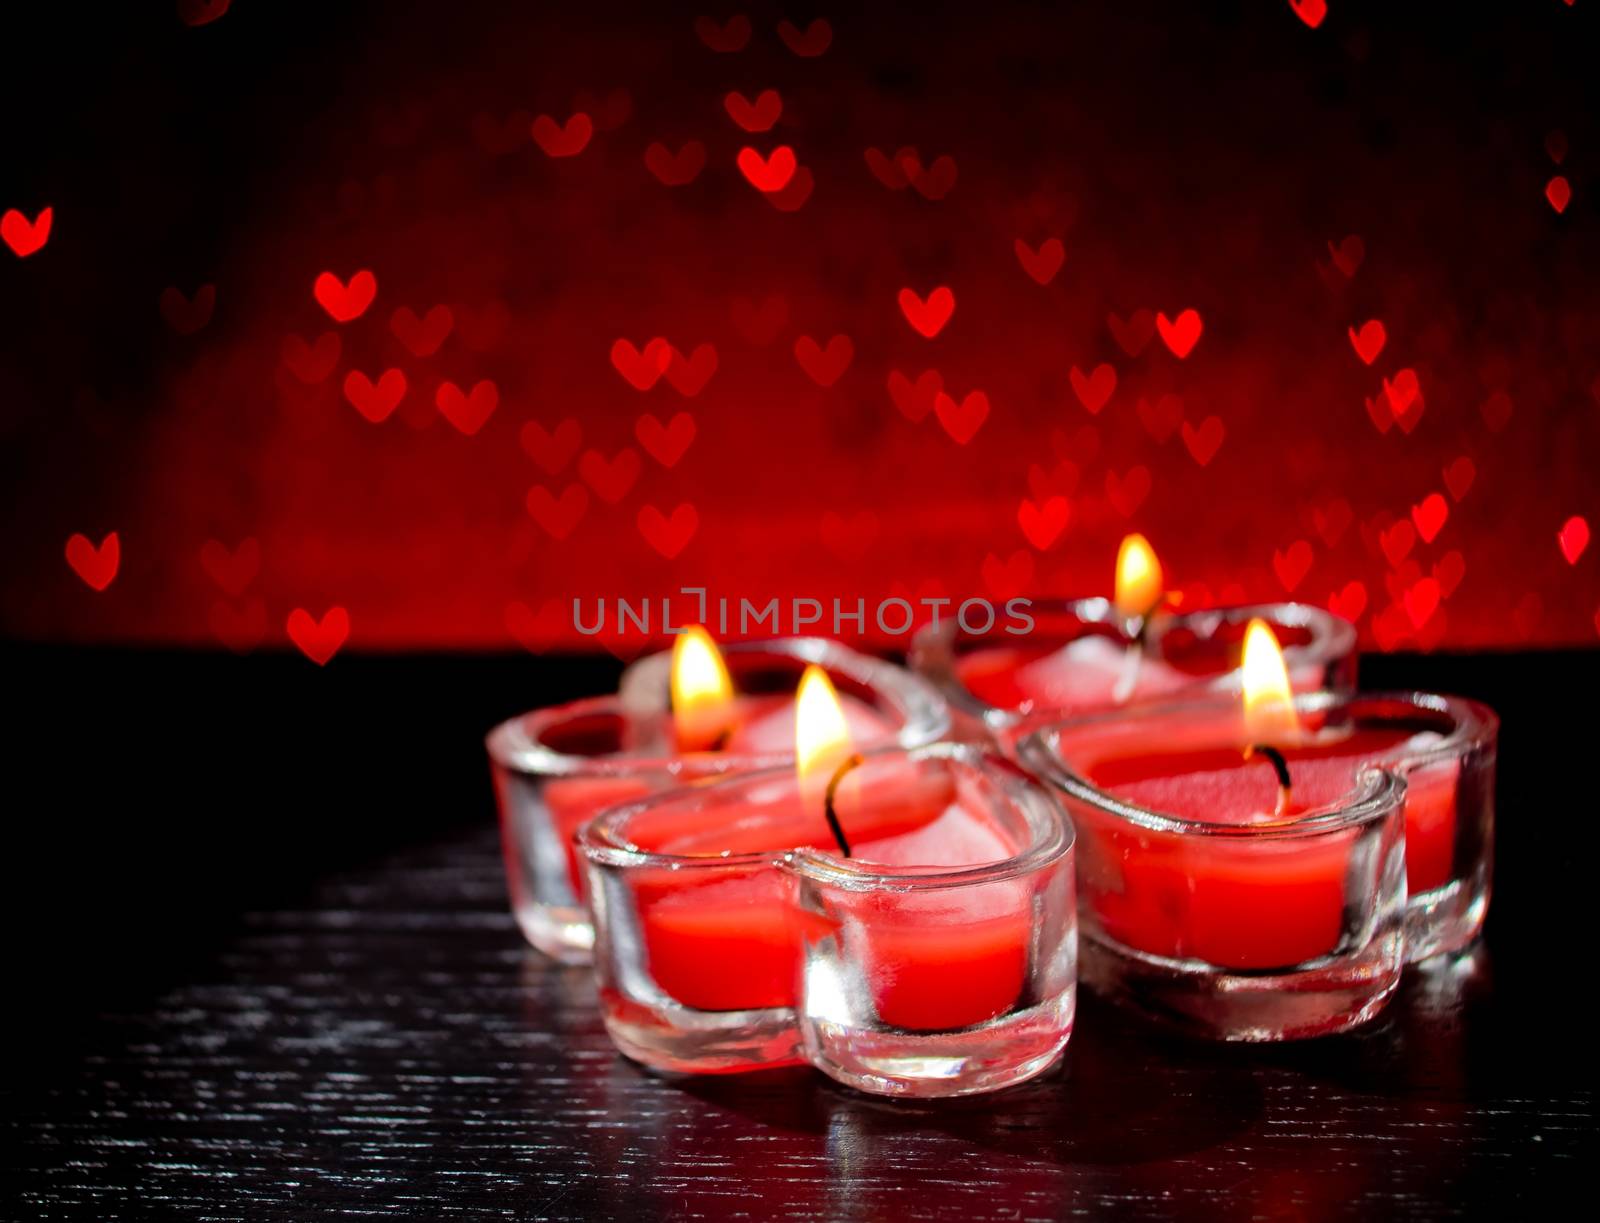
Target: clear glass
[(1267, 931), (773, 666), (732, 935), (553, 770), (556, 768), (1449, 808), (983, 675)]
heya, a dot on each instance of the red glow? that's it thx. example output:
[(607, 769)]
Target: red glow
[(608, 308)]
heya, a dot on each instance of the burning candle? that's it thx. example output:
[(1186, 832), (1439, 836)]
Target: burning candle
[(556, 768), (731, 946), (902, 920), (1254, 837), (1087, 654), (1139, 589), (703, 705), (728, 946), (1104, 666)]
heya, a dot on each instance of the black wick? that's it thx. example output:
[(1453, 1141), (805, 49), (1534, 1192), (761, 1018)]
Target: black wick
[(1280, 766), (1144, 619), (849, 763)]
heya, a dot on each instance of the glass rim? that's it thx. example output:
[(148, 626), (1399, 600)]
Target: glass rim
[(1053, 835), (923, 712), (933, 648), (1475, 724), (517, 743), (1379, 786)]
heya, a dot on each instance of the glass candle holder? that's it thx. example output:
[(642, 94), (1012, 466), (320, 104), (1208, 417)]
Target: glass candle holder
[(939, 959), (555, 768), (766, 671), (1449, 767), (1084, 654), (1282, 926)]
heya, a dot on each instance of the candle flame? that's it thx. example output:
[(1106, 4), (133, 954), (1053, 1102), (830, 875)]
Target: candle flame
[(1268, 700), (821, 735), (1138, 577), (702, 692)]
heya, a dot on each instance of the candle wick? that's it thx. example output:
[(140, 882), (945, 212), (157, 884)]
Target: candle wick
[(1134, 658), (828, 810), (1280, 766), (1129, 679), (1146, 616)]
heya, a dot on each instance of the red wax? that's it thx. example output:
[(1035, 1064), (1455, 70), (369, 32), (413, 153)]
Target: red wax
[(764, 726), (731, 939), (1270, 902), (1088, 673), (574, 801), (723, 945), (1262, 905)]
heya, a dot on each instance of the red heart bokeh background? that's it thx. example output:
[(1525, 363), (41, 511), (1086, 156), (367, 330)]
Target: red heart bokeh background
[(401, 326)]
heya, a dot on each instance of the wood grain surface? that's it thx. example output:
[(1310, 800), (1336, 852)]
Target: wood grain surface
[(382, 1045)]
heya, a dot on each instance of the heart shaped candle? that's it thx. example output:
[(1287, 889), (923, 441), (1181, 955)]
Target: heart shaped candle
[(556, 768), (1244, 865), (937, 958), (1084, 654)]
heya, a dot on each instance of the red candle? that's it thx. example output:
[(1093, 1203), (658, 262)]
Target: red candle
[(709, 722), (1260, 903), (1088, 673), (1112, 662), (762, 726), (1091, 671), (1090, 654), (555, 769), (574, 801), (1220, 784), (730, 939)]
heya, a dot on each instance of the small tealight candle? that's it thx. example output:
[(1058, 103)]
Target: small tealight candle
[(1096, 653), (556, 768), (903, 921), (1242, 864), (728, 947)]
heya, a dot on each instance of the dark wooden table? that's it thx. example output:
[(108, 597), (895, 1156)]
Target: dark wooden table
[(376, 1041)]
